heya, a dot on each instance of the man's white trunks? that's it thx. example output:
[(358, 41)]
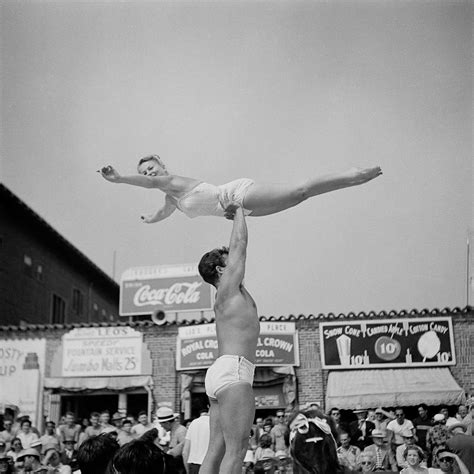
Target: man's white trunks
[(210, 200), (228, 370)]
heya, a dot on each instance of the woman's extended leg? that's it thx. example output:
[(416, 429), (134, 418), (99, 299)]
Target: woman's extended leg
[(265, 199)]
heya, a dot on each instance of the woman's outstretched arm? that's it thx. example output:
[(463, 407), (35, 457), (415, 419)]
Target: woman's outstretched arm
[(112, 175), (162, 213)]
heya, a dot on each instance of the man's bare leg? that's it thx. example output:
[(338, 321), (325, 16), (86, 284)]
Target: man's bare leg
[(236, 413), (265, 199), (216, 449)]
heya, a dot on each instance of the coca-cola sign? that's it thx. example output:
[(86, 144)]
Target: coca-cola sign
[(144, 295)]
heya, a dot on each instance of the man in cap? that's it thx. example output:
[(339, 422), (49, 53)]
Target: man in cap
[(31, 460), (449, 463), (229, 380), (384, 458), (361, 429), (69, 454), (170, 422), (3, 446)]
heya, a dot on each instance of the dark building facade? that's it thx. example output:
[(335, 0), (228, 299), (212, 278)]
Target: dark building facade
[(44, 279)]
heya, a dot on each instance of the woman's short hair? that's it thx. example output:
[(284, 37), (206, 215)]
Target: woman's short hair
[(420, 452), (209, 262), (150, 158)]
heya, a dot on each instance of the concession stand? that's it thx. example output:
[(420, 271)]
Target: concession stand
[(389, 362)]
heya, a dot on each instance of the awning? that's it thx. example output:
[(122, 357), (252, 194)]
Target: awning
[(76, 384), (392, 387)]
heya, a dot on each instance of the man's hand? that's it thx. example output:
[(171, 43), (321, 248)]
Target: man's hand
[(229, 211), (109, 173)]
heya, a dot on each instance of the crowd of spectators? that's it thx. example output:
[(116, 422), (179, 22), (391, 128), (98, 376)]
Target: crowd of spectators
[(380, 440), (387, 441)]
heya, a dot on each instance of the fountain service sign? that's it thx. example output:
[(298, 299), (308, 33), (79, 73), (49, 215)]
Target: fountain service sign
[(174, 288), (383, 343), (102, 351)]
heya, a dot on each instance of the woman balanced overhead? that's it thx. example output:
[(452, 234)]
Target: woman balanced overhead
[(196, 198)]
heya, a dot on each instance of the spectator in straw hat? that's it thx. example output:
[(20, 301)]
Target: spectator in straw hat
[(361, 429), (31, 459), (383, 456), (170, 422)]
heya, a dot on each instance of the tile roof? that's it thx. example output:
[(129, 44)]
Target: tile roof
[(291, 317)]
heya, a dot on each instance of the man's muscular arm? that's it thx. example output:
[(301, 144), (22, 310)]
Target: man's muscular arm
[(235, 269)]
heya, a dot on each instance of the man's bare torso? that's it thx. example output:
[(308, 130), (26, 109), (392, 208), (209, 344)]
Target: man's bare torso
[(237, 324)]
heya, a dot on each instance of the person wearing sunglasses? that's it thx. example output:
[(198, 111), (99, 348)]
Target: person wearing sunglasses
[(366, 462), (448, 462)]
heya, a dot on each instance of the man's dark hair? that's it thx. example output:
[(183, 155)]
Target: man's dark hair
[(95, 454), (94, 414), (142, 457), (424, 406), (142, 413), (209, 262)]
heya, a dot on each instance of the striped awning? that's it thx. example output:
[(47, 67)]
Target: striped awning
[(392, 387)]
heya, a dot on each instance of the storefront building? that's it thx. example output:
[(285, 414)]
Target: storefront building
[(348, 361)]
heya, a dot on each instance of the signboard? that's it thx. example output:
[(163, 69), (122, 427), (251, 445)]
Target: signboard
[(103, 351), (22, 363), (383, 343), (276, 345), (144, 290)]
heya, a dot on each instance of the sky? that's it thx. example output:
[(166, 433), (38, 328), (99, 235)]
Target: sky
[(277, 91)]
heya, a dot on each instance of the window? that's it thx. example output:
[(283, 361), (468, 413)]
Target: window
[(58, 315), (95, 313), (39, 272), (77, 302), (28, 265)]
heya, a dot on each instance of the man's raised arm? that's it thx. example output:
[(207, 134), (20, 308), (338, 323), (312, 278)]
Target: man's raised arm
[(235, 268)]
